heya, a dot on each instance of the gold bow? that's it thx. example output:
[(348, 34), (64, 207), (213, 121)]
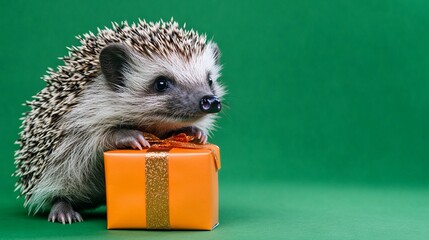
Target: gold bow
[(180, 140)]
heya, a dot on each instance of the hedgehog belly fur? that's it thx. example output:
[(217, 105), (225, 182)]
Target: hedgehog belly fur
[(76, 170)]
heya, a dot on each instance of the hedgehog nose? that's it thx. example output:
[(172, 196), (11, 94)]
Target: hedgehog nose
[(210, 104)]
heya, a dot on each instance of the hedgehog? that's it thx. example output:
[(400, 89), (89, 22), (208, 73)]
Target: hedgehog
[(154, 77)]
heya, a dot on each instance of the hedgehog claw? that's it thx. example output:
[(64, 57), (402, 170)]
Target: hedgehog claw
[(78, 217), (63, 212), (143, 141), (135, 144), (203, 138), (200, 136)]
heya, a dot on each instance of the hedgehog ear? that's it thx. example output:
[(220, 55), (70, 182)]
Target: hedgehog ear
[(114, 60), (216, 52)]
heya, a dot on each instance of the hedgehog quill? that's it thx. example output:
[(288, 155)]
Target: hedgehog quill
[(144, 77)]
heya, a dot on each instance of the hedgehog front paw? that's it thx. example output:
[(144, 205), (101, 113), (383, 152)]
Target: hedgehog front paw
[(200, 136), (125, 138), (63, 212)]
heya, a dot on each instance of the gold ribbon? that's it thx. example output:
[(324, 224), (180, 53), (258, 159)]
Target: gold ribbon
[(157, 211), (157, 207)]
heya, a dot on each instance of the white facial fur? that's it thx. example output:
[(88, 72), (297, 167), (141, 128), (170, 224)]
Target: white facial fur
[(190, 74)]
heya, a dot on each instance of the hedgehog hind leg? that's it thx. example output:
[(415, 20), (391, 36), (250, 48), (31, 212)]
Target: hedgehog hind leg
[(63, 212)]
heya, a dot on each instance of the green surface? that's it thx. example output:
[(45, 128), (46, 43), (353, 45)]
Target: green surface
[(267, 211), (326, 135)]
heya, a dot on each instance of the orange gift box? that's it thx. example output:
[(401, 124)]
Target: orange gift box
[(162, 189)]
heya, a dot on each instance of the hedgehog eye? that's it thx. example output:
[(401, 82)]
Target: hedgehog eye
[(210, 80), (161, 84)]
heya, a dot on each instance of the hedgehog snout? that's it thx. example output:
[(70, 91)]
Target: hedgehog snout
[(210, 104)]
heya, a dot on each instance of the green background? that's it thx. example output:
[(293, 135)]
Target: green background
[(326, 134)]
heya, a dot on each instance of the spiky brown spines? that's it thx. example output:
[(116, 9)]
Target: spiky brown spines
[(41, 131)]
